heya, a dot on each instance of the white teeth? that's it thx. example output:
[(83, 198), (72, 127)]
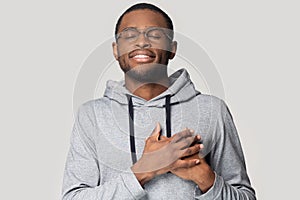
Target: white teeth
[(141, 56)]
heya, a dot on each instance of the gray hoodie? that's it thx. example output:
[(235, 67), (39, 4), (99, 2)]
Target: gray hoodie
[(109, 136)]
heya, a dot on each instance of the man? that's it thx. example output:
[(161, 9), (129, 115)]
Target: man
[(115, 155)]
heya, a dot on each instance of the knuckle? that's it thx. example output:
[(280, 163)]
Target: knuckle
[(190, 164), (188, 151), (179, 135), (185, 164), (187, 142), (194, 148)]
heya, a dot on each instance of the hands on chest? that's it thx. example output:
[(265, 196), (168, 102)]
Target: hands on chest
[(178, 155)]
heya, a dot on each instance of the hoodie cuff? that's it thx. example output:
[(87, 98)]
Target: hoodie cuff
[(213, 193), (133, 185)]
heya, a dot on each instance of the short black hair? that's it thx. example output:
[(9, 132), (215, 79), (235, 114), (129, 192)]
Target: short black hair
[(142, 6)]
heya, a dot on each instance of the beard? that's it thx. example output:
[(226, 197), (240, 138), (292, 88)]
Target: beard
[(146, 73)]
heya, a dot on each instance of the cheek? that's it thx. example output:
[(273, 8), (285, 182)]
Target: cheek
[(164, 53), (123, 60), (124, 50), (163, 57)]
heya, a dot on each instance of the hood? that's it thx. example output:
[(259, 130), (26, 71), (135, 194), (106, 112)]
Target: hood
[(181, 89)]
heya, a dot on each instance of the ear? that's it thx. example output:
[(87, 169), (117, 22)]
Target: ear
[(173, 50), (115, 50)]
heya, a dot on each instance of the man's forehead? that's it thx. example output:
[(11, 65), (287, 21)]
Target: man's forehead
[(142, 19)]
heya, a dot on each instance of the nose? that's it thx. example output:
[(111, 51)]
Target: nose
[(142, 42)]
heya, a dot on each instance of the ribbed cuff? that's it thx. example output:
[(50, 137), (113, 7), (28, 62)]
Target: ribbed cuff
[(213, 192), (133, 185)]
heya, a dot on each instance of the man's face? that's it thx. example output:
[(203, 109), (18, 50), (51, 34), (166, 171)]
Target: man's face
[(144, 54)]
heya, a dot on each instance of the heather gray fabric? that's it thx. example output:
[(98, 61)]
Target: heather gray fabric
[(99, 159)]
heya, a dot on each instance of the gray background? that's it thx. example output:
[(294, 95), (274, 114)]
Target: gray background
[(254, 45)]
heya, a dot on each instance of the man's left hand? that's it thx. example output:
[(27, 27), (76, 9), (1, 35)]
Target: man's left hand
[(201, 174)]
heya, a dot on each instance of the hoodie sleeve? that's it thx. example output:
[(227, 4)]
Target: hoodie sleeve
[(82, 176), (227, 160)]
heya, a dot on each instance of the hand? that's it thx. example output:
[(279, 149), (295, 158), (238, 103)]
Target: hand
[(201, 174), (162, 156)]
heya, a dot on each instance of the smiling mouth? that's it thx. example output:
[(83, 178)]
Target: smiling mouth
[(142, 56)]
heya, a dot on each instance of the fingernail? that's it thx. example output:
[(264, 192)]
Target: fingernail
[(198, 137), (197, 161), (201, 146), (192, 131)]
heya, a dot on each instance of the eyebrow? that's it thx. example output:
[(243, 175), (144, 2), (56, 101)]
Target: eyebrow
[(132, 27)]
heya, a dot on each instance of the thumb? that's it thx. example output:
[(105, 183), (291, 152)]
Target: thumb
[(156, 132)]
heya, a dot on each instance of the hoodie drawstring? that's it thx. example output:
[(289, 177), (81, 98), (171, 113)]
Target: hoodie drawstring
[(131, 129), (131, 124), (168, 115)]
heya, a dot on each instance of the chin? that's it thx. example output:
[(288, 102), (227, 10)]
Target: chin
[(147, 72)]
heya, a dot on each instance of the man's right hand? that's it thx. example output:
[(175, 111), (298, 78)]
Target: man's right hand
[(162, 156)]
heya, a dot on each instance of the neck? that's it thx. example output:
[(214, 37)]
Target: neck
[(147, 91)]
